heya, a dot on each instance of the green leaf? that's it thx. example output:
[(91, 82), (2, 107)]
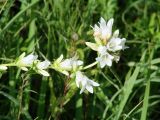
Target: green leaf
[(127, 89)]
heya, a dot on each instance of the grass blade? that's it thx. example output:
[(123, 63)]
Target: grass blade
[(127, 89), (145, 101), (18, 15)]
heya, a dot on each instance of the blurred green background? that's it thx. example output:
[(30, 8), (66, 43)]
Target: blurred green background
[(129, 90)]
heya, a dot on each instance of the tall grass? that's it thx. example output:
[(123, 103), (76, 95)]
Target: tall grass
[(128, 90)]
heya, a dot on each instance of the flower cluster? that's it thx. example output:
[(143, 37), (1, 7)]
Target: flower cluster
[(107, 44)]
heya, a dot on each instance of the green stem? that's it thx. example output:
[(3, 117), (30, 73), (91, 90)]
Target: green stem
[(3, 6), (9, 64), (90, 65), (21, 90)]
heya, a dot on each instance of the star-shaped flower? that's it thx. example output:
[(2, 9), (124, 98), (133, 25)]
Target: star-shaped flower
[(105, 59), (41, 66), (116, 43), (67, 65), (24, 62), (104, 31), (85, 82)]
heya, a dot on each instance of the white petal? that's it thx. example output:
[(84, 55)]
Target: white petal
[(123, 44), (89, 88), (107, 29), (24, 68), (105, 60), (101, 61), (109, 62), (93, 83), (79, 62), (84, 81), (2, 67), (102, 20), (93, 46), (78, 83), (116, 33), (79, 78), (66, 64), (79, 74), (43, 72), (60, 58), (22, 55), (82, 89), (102, 64), (102, 23), (110, 23), (43, 65), (109, 59), (97, 30), (65, 72), (116, 58), (98, 40), (110, 56), (115, 44), (102, 50), (118, 40), (29, 59)]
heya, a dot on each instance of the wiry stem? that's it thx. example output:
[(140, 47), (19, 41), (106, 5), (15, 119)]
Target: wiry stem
[(20, 100), (90, 65), (21, 90)]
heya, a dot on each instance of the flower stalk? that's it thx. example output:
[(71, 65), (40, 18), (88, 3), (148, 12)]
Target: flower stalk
[(90, 65)]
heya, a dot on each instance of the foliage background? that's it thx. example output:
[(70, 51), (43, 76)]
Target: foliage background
[(129, 90)]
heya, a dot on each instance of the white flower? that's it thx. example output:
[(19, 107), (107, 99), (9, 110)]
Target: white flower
[(66, 65), (24, 62), (97, 30), (57, 65), (70, 64), (104, 31), (85, 82), (107, 44), (105, 59), (102, 50), (115, 43), (3, 67), (28, 60), (41, 66)]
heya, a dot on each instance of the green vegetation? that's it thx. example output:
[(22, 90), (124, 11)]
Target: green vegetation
[(129, 90)]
